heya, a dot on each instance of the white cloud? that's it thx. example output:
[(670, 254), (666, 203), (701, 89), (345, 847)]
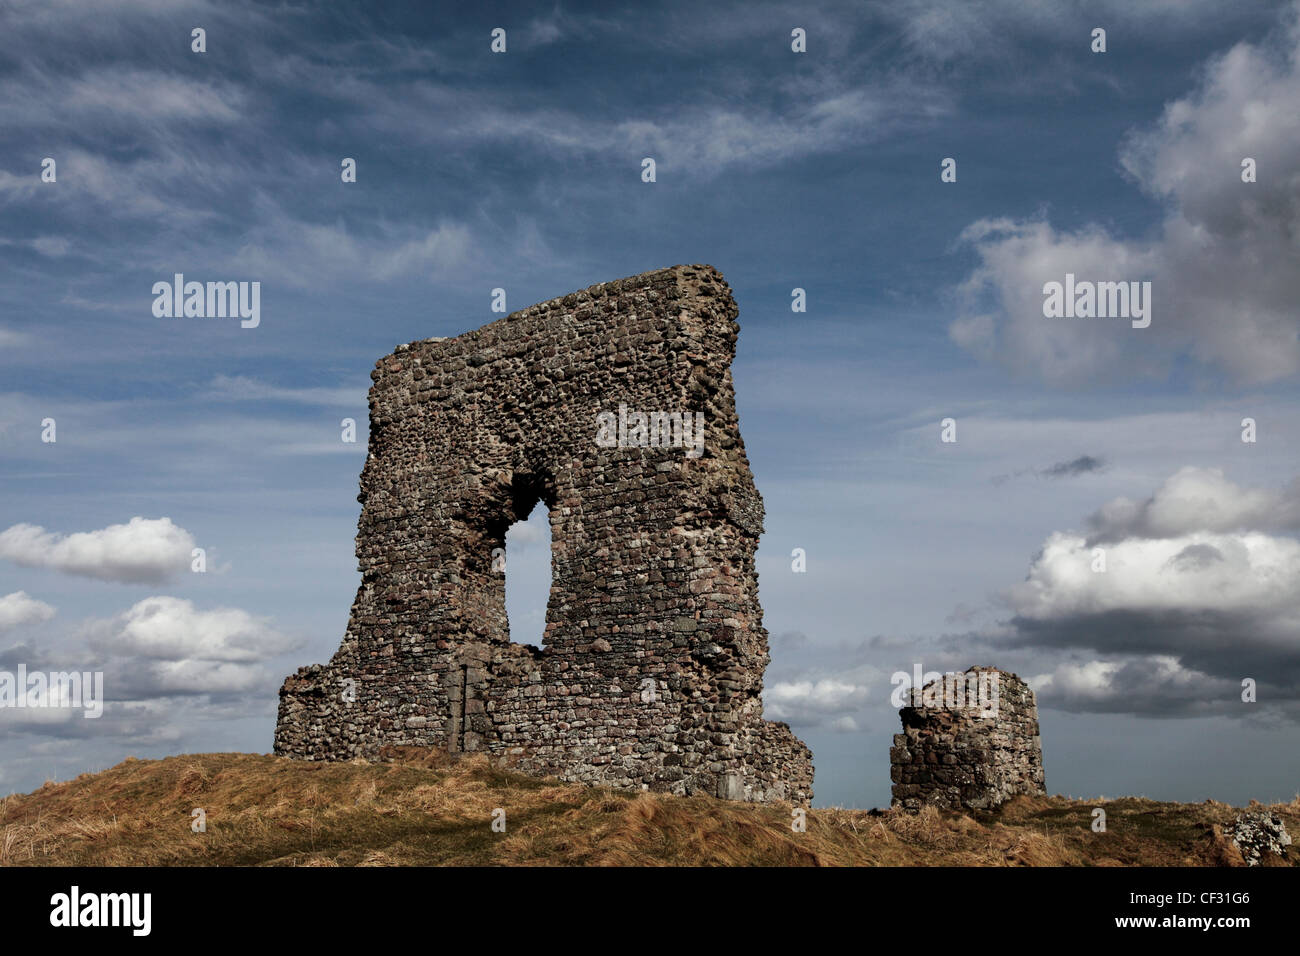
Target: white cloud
[(1191, 598), (807, 703), (145, 550), (1016, 259), (18, 610), (164, 646), (1091, 679), (535, 528), (1225, 269), (41, 719), (1198, 499), (1138, 681), (206, 677), (1248, 572), (172, 629)]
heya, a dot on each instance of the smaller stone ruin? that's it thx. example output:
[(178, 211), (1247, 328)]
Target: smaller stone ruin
[(969, 741)]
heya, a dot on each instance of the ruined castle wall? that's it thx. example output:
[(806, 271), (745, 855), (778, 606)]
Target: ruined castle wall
[(654, 648), (963, 748)]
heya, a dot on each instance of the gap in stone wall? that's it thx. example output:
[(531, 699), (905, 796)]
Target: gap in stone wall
[(528, 575)]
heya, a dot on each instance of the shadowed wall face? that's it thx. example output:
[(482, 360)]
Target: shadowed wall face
[(614, 406)]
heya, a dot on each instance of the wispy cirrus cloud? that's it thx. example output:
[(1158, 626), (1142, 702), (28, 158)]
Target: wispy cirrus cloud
[(241, 388)]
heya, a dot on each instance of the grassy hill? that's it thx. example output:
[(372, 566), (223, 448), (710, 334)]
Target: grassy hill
[(428, 808)]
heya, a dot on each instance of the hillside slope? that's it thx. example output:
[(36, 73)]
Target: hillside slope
[(427, 808)]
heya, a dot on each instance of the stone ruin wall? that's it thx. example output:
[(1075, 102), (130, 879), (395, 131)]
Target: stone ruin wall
[(964, 757), (654, 648)]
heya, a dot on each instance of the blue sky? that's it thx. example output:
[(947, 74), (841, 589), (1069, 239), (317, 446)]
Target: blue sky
[(818, 170)]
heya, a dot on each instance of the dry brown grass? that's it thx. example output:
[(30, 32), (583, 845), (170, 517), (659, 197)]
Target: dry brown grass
[(422, 808)]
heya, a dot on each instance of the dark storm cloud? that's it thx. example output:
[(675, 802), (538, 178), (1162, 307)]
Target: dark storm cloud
[(1078, 466)]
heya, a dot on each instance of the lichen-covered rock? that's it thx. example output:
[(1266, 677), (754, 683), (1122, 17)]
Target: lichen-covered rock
[(654, 653), (969, 741), (1258, 832)]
